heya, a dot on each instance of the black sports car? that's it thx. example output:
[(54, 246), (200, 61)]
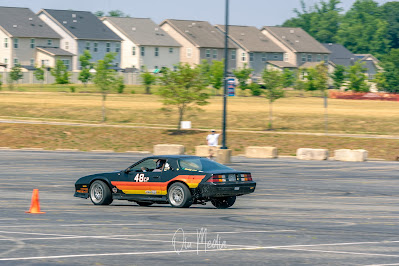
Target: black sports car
[(180, 180)]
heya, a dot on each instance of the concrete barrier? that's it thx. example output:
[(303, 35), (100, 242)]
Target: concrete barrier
[(312, 154), (348, 155), (203, 150), (223, 156), (261, 152), (168, 149)]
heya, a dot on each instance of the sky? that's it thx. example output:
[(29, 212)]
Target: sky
[(242, 12)]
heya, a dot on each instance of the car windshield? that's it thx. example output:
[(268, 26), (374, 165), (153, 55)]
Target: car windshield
[(201, 164)]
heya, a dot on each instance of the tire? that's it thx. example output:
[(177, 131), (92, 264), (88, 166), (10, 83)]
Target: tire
[(179, 196), (100, 194), (223, 203), (144, 203)]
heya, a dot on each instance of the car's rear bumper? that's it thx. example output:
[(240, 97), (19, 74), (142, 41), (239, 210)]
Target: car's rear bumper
[(210, 190)]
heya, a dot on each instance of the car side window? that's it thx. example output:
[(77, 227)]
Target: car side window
[(145, 166)]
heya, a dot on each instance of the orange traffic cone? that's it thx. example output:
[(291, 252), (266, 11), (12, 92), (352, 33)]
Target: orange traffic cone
[(35, 205)]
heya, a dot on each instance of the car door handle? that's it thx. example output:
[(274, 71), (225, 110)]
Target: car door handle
[(156, 176)]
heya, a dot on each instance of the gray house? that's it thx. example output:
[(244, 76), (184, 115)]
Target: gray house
[(255, 49), (82, 30), (145, 44), (22, 38), (199, 40)]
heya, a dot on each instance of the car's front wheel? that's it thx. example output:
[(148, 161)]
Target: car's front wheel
[(179, 196), (223, 203), (100, 194)]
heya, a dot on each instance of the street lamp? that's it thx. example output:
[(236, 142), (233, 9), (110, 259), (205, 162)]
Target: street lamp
[(226, 63)]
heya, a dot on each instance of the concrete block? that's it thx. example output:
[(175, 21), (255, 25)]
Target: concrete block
[(348, 155), (261, 152), (223, 156), (312, 154), (168, 149), (203, 150)]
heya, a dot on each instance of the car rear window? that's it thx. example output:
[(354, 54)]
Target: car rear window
[(201, 164)]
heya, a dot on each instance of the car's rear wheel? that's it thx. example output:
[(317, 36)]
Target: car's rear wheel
[(144, 203), (100, 194), (179, 196), (223, 203)]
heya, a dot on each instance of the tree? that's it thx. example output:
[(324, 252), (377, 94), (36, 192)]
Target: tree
[(273, 81), (99, 13), (147, 80), (117, 13), (15, 75), (357, 78), (338, 76), (183, 88), (300, 84), (388, 80), (105, 78), (288, 78), (321, 78), (60, 73), (321, 20), (216, 74), (363, 29), (310, 82), (390, 12), (85, 75), (39, 74), (1, 80), (205, 70), (242, 76)]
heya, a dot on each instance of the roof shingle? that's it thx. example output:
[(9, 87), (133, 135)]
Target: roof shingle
[(142, 31), (22, 22), (82, 25)]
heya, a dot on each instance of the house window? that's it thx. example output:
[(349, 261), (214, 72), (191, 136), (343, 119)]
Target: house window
[(16, 61), (325, 58), (88, 46), (49, 42), (32, 43), (66, 63), (156, 51), (243, 57), (45, 63), (108, 47), (171, 50), (286, 57), (5, 42), (134, 50), (95, 48), (16, 43), (303, 58), (318, 57), (116, 64), (117, 47), (66, 45), (142, 51), (215, 54), (251, 57), (208, 53), (275, 56), (263, 57), (309, 58), (32, 62), (189, 52), (5, 60), (233, 54)]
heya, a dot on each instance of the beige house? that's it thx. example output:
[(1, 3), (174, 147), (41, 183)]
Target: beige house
[(299, 47), (48, 56), (21, 34), (200, 41), (144, 43)]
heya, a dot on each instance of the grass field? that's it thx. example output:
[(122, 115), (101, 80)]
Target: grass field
[(291, 114)]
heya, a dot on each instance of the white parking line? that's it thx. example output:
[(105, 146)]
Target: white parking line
[(68, 225), (341, 252)]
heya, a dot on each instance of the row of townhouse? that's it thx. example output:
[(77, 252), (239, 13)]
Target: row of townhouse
[(30, 40)]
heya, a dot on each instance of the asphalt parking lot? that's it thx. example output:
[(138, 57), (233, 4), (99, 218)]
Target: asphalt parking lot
[(302, 213)]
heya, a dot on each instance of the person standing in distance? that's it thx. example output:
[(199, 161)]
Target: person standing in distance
[(212, 140)]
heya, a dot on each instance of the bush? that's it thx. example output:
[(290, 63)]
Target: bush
[(255, 89), (133, 92), (72, 88)]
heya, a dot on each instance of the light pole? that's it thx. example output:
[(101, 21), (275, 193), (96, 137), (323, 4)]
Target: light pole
[(226, 64)]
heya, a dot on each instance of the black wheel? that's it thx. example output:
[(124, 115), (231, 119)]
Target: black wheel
[(100, 194), (223, 203), (179, 196), (144, 203)]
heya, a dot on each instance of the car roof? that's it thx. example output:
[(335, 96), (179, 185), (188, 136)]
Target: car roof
[(172, 157)]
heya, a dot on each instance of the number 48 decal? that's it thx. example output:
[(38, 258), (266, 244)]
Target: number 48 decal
[(141, 178)]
